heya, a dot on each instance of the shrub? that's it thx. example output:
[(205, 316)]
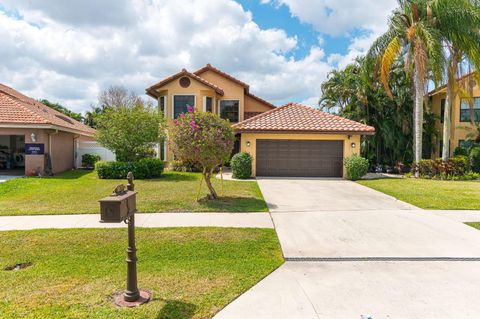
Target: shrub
[(460, 151), (143, 169), (89, 160), (438, 169), (241, 164), (356, 167), (179, 166), (475, 159)]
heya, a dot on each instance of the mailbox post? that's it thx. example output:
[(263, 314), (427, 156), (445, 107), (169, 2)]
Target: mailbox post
[(119, 207)]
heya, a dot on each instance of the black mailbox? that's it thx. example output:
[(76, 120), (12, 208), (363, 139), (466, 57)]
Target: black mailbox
[(117, 207)]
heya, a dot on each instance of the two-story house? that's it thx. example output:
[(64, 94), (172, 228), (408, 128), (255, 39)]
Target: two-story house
[(461, 114), (291, 140)]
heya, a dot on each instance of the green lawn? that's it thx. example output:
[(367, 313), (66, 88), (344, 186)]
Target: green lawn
[(430, 194), (78, 192), (192, 272)]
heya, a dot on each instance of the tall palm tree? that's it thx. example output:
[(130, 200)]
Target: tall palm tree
[(412, 33), (459, 23)]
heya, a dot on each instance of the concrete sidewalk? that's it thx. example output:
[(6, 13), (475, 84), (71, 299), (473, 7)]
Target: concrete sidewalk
[(240, 220)]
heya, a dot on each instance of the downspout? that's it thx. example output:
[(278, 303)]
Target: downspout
[(50, 146), (75, 147)]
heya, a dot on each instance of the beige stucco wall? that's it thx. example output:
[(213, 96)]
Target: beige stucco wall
[(231, 90), (253, 105), (457, 129), (252, 138), (62, 149)]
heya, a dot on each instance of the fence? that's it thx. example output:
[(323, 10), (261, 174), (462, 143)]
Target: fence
[(92, 147)]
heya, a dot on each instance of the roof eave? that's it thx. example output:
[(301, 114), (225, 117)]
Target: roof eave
[(46, 126), (277, 131)]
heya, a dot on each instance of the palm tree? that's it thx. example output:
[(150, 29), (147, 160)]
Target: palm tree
[(459, 22), (412, 33)]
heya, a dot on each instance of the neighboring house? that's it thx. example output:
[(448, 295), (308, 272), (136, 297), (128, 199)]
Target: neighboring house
[(292, 140), (461, 124), (29, 130)]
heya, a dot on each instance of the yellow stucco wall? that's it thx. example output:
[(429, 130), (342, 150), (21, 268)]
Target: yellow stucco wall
[(457, 129), (231, 89), (253, 105), (252, 138)]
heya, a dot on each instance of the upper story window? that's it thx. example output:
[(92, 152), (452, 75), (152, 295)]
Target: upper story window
[(230, 110), (181, 103), (465, 112), (207, 104)]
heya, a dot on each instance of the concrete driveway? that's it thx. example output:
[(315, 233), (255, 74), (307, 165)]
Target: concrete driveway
[(318, 194), (352, 251)]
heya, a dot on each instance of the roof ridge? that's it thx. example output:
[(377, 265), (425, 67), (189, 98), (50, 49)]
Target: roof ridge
[(253, 118), (301, 118), (329, 114)]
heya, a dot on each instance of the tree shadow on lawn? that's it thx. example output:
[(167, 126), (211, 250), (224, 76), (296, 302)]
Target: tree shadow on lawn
[(173, 177), (176, 309), (235, 204), (73, 174)]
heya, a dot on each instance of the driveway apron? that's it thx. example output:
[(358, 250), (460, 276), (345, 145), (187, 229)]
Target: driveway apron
[(351, 251)]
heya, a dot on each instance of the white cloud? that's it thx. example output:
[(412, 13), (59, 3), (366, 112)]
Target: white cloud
[(68, 51), (338, 17)]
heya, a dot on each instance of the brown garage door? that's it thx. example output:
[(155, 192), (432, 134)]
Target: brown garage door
[(299, 158)]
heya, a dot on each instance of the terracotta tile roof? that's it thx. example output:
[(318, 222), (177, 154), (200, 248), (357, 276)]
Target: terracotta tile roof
[(295, 117), (210, 67), (151, 90), (248, 115), (16, 108)]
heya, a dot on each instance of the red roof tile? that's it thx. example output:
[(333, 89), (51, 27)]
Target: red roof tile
[(151, 90), (16, 108), (295, 117)]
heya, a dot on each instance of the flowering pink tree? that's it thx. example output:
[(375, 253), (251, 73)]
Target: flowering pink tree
[(203, 138)]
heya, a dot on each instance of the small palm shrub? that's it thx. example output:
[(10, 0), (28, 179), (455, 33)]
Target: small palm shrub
[(356, 167), (241, 165)]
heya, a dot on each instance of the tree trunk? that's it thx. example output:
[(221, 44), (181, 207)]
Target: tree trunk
[(418, 116), (206, 177), (447, 116)]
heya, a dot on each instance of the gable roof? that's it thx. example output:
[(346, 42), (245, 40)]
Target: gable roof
[(19, 109), (151, 90), (294, 117), (210, 67), (443, 88)]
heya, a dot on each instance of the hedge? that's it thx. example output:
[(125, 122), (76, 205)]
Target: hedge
[(145, 168)]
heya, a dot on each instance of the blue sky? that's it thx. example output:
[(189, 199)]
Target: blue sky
[(69, 51)]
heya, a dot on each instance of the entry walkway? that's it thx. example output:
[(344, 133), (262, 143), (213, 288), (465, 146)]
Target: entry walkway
[(247, 220)]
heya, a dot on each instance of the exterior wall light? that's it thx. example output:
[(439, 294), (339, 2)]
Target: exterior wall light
[(33, 137), (248, 143), (353, 145)]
